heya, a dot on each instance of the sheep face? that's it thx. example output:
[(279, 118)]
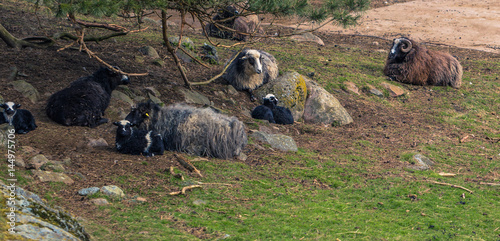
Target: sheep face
[(400, 48), (140, 113), (270, 99), (124, 79), (124, 128), (10, 107), (254, 60)]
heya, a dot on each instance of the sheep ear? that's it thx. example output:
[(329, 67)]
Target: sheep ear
[(244, 57), (116, 123), (17, 105)]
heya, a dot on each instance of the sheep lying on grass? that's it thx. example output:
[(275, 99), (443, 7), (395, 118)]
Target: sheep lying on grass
[(130, 140), (250, 70), (272, 112), (197, 131), (22, 120), (409, 62), (83, 103)]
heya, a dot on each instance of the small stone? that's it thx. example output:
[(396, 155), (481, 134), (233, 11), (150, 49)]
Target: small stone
[(277, 141), (141, 199), (153, 90), (99, 201), (422, 163), (242, 157), (231, 90), (159, 62), (112, 191), (394, 91), (88, 191), (150, 52), (375, 91), (118, 95), (97, 142), (352, 87), (36, 162), (199, 202), (26, 89)]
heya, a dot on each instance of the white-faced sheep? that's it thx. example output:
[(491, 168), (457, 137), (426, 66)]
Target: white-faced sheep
[(197, 131), (22, 120), (130, 140), (250, 70), (410, 63), (83, 103), (278, 114)]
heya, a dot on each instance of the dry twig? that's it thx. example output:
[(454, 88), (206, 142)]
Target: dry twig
[(219, 75), (176, 175), (185, 163), (452, 185), (184, 189), (489, 184)]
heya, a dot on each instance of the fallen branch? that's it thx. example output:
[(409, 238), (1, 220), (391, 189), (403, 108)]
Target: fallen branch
[(489, 184), (219, 75), (444, 174), (185, 163), (452, 185), (223, 184), (177, 175), (93, 55), (184, 189)]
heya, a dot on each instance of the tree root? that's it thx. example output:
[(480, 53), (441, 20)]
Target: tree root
[(185, 163)]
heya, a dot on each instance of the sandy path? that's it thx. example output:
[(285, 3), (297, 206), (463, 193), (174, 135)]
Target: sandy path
[(462, 23)]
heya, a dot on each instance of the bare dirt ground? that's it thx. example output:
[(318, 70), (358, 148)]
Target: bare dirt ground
[(460, 23)]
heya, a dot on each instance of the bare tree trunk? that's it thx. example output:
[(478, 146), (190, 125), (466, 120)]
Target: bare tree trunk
[(171, 49), (10, 40), (13, 42)]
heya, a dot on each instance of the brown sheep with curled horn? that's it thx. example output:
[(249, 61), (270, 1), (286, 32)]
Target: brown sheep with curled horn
[(410, 63)]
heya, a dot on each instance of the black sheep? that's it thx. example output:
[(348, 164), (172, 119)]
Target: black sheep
[(130, 140), (22, 120), (264, 112), (83, 103), (281, 115)]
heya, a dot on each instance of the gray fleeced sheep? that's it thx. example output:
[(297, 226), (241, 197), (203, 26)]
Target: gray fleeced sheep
[(410, 63), (197, 131), (250, 70)]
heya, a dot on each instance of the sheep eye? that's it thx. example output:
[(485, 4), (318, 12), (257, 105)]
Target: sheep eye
[(251, 61)]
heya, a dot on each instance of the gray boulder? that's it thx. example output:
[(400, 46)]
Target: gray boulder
[(26, 89), (322, 107), (35, 220), (277, 141)]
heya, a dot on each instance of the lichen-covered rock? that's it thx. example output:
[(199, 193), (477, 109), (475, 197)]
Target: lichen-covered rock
[(34, 219), (4, 128), (46, 176), (36, 162), (277, 141), (421, 162), (26, 89), (322, 107), (88, 191), (112, 191), (290, 90), (192, 97), (150, 52), (118, 95)]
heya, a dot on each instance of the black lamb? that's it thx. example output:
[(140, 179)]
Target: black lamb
[(280, 115), (22, 120), (83, 103), (264, 112), (130, 140)]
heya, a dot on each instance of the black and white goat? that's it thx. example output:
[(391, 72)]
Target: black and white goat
[(83, 103), (130, 140), (250, 70), (197, 131), (22, 120)]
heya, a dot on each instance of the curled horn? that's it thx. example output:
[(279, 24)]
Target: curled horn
[(407, 43)]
